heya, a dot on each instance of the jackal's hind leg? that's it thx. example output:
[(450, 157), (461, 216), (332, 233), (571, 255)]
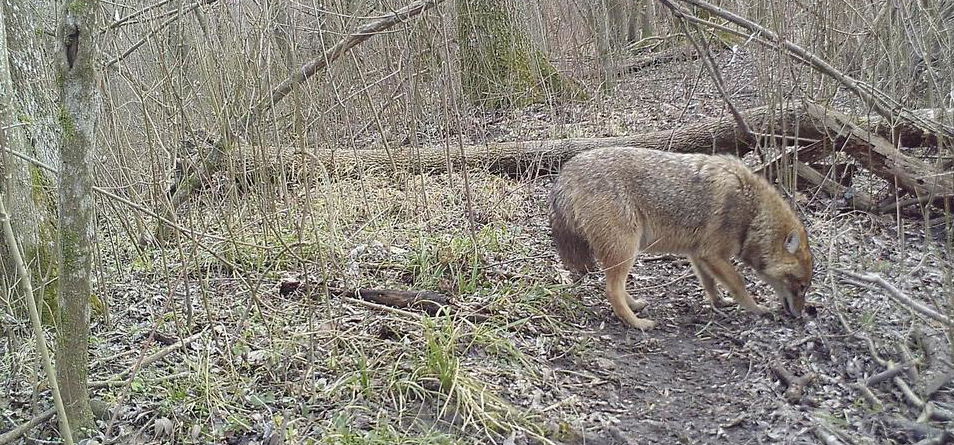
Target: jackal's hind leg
[(617, 258), (708, 284)]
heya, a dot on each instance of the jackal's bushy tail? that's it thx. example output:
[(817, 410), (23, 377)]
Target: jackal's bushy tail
[(575, 251)]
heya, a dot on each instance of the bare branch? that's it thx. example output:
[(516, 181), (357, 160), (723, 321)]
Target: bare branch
[(309, 69), (897, 295), (879, 101)]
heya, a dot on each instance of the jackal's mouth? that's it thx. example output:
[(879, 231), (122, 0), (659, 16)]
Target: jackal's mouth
[(793, 299), (791, 294), (788, 302)]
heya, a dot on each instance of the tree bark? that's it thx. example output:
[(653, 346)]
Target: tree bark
[(27, 116), (79, 110), (878, 155), (500, 67)]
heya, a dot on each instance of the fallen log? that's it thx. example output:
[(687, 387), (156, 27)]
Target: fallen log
[(856, 199), (825, 130), (676, 54), (716, 135), (429, 302), (879, 156)]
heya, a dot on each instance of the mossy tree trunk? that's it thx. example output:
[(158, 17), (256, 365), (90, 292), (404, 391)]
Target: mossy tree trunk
[(78, 114), (26, 114), (499, 65)]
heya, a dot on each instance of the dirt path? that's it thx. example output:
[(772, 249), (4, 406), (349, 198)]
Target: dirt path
[(676, 386)]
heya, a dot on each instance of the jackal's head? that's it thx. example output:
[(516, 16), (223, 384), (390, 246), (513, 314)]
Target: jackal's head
[(787, 267)]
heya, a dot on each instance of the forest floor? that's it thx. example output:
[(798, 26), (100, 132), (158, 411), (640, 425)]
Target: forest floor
[(547, 361)]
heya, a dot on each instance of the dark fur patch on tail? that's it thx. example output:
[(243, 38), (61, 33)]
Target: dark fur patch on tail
[(574, 250)]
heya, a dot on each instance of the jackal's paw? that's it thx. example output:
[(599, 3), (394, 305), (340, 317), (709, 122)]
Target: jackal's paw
[(637, 304), (722, 302), (642, 324), (759, 309)]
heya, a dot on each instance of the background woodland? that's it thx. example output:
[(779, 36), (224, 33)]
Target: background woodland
[(276, 222)]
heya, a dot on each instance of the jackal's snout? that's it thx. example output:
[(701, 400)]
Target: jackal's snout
[(794, 299)]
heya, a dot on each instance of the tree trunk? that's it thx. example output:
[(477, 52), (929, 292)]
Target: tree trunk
[(79, 109), (27, 115), (831, 130), (718, 135), (499, 65)]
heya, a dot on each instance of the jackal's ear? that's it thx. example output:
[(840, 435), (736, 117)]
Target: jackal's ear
[(792, 241)]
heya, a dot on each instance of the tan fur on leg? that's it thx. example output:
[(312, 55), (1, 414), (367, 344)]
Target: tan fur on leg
[(708, 284), (725, 273), (619, 261)]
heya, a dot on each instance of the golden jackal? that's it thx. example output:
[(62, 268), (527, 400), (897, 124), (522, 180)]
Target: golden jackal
[(613, 202)]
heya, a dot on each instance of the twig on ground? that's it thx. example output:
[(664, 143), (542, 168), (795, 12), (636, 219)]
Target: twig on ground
[(826, 436), (426, 301), (14, 434), (896, 294), (796, 385), (888, 374), (152, 358), (382, 308), (868, 395)]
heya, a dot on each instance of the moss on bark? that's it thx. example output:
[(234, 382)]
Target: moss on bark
[(500, 67)]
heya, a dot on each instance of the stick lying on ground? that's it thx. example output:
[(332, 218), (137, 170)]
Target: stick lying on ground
[(796, 385), (391, 300), (895, 294)]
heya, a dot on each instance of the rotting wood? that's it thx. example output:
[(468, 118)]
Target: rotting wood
[(939, 370), (674, 54), (14, 434), (896, 204), (888, 374), (716, 135), (840, 173), (879, 156)]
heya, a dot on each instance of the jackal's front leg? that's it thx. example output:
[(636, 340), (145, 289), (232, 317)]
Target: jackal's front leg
[(723, 271), (708, 284)]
